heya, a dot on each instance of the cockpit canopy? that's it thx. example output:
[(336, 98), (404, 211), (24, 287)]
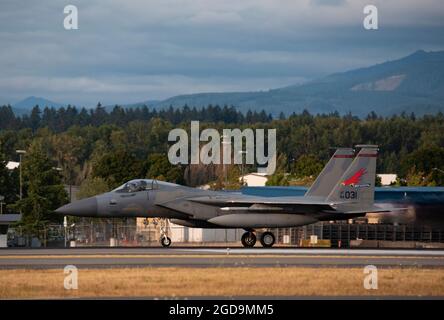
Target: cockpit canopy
[(137, 185)]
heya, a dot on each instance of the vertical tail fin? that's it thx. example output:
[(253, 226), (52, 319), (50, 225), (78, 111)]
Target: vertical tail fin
[(333, 170), (356, 188)]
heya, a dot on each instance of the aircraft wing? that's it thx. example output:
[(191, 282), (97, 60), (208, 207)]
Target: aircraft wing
[(262, 204), (178, 205)]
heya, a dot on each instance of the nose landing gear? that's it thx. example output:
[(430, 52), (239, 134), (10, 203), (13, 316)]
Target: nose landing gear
[(165, 241)]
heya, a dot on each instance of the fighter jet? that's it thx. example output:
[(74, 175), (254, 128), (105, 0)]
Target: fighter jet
[(343, 190)]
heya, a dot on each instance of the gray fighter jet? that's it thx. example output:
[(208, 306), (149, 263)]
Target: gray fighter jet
[(343, 190)]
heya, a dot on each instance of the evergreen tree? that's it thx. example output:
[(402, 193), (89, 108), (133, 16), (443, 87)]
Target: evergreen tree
[(43, 191), (35, 118), (160, 168), (91, 187), (8, 184), (278, 179), (118, 167), (307, 166), (7, 118)]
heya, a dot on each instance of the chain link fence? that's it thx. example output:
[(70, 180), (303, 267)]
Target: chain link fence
[(147, 232)]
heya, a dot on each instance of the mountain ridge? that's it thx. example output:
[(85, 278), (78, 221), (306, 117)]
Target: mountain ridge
[(414, 83), (25, 105)]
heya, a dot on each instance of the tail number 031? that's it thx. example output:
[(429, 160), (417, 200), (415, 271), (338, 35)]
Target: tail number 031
[(348, 195)]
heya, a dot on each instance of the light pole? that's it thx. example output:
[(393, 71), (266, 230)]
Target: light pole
[(69, 182), (226, 145), (65, 226), (65, 218), (58, 169), (437, 169), (1, 204), (21, 153)]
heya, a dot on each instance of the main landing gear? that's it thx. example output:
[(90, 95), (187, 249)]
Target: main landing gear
[(248, 239), (267, 239)]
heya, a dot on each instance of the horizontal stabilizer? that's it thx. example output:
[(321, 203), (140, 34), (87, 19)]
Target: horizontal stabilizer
[(377, 210)]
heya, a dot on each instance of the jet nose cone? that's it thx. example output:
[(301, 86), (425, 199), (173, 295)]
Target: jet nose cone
[(83, 208)]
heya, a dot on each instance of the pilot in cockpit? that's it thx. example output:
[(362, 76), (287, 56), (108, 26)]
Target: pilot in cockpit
[(135, 186)]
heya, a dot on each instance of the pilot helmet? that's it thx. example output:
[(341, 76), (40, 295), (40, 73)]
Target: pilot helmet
[(132, 186)]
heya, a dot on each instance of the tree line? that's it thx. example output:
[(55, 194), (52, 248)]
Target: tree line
[(61, 119), (99, 149)]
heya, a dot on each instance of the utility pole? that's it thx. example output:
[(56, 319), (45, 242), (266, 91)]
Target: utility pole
[(21, 153)]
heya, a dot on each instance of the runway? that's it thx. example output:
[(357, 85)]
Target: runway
[(216, 257)]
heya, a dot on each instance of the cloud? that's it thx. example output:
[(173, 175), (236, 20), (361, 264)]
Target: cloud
[(137, 50), (329, 2), (87, 91)]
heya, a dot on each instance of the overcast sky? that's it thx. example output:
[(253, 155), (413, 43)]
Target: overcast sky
[(135, 50)]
